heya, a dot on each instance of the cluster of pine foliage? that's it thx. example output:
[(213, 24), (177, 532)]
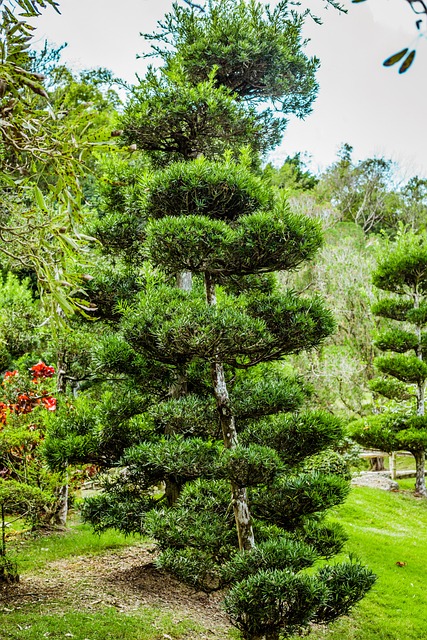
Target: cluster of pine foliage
[(205, 379)]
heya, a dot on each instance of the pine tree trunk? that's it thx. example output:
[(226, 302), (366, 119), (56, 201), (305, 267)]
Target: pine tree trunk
[(376, 464), (172, 491), (229, 433), (62, 511), (420, 481), (184, 280)]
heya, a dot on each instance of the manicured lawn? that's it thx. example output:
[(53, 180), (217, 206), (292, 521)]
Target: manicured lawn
[(106, 625), (35, 552), (384, 529)]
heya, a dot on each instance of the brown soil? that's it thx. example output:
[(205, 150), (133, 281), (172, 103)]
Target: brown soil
[(126, 579)]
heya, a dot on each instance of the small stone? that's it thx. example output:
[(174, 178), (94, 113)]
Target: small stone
[(374, 480)]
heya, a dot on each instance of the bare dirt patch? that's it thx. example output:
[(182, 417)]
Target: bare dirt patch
[(126, 579)]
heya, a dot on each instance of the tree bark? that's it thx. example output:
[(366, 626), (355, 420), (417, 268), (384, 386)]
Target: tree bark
[(420, 480), (376, 464), (229, 433), (62, 511), (184, 280)]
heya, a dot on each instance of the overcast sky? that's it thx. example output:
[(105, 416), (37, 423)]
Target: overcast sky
[(373, 108)]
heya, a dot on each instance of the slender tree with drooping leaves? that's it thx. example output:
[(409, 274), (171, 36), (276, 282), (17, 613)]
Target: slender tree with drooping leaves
[(402, 273), (43, 149)]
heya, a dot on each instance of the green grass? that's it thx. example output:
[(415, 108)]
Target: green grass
[(36, 551), (106, 625), (385, 528)]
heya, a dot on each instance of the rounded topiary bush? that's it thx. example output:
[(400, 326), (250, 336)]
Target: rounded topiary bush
[(223, 191)]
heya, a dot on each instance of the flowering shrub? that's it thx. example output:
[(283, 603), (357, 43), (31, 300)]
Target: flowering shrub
[(22, 396), (41, 370)]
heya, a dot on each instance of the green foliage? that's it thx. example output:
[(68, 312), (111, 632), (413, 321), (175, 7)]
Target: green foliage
[(375, 431), (395, 309), (250, 466), (80, 433), (290, 499), (397, 340), (210, 530), (294, 322), (118, 510), (174, 458), (390, 388), (347, 584), (253, 245), (289, 602), (43, 151), (274, 554), (189, 415), (292, 175), (362, 192), (402, 267), (171, 117), (218, 190), (29, 501), (20, 316), (327, 539), (273, 393), (403, 367), (295, 436), (191, 566), (329, 462), (255, 51)]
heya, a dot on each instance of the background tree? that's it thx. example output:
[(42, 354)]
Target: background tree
[(402, 273), (362, 192), (340, 371), (42, 156)]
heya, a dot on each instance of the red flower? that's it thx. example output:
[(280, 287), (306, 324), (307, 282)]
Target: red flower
[(42, 370), (10, 374), (49, 403), (3, 412)]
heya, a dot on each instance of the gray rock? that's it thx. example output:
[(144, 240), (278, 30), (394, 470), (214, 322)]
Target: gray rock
[(376, 480)]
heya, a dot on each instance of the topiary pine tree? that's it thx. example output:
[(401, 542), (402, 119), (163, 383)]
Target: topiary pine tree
[(241, 508), (223, 66), (210, 453), (402, 273)]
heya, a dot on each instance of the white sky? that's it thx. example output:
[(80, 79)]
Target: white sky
[(373, 108)]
